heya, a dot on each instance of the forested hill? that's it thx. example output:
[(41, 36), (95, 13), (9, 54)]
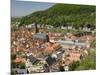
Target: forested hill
[(63, 14), (68, 9)]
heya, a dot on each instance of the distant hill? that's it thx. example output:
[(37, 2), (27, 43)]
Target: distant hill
[(63, 14)]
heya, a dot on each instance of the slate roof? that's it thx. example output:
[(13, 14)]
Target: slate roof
[(32, 59), (50, 60), (41, 36)]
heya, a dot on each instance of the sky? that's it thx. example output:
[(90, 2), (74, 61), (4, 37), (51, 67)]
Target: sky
[(22, 8)]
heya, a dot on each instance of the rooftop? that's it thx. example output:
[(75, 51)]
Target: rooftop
[(41, 35), (32, 59)]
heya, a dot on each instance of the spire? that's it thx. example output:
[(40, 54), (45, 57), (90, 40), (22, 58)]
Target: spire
[(36, 28)]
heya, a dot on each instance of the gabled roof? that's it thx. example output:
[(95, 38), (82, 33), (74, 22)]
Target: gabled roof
[(50, 60), (32, 59), (41, 36)]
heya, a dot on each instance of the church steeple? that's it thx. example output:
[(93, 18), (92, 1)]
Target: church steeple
[(36, 28)]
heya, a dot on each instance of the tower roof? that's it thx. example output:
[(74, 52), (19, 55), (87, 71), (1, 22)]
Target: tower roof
[(40, 35)]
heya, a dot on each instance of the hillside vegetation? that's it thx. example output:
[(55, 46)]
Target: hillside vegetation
[(63, 15)]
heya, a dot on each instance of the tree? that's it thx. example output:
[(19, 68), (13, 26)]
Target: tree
[(22, 65), (89, 62), (74, 65)]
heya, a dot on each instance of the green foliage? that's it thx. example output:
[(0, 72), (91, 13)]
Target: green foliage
[(13, 19), (19, 53), (93, 44), (18, 65), (74, 65), (63, 14), (13, 65), (22, 66), (13, 72), (89, 62)]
